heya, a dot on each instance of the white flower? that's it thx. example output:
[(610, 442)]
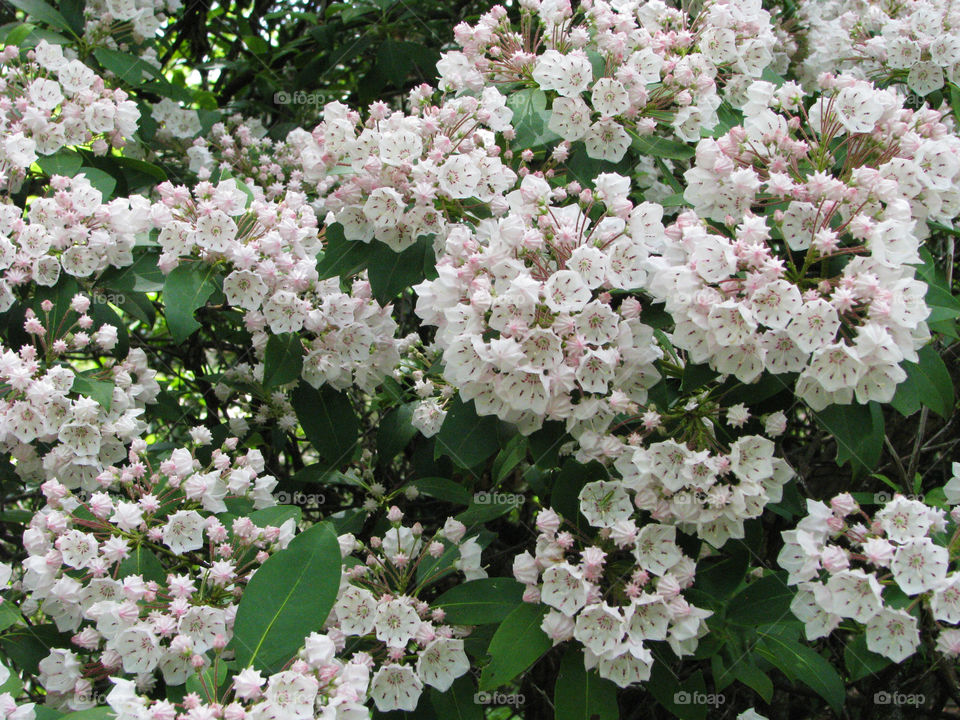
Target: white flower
[(607, 140), (604, 503), (139, 649), (292, 695), (566, 291), (656, 549), (903, 519), (396, 622), (441, 662), (564, 588), (893, 634), (647, 618), (609, 97), (569, 118), (459, 176), (919, 565), (183, 531), (599, 627), (853, 594), (395, 687), (202, 624)]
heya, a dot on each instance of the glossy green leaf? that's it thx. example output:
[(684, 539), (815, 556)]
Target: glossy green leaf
[(288, 598), (99, 390), (394, 432), (581, 694), (187, 288), (328, 421), (458, 702), (802, 663), (63, 162), (282, 360), (928, 384), (465, 437), (341, 257), (858, 432), (516, 645), (41, 11), (391, 272), (488, 600)]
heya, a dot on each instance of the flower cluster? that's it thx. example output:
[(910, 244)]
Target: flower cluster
[(635, 60), (525, 311), (812, 271), (271, 250), (317, 684), (710, 494), (71, 230), (136, 19), (393, 176), (614, 597), (849, 565), (379, 605), (50, 102), (139, 568), (240, 145), (916, 43), (51, 434), (176, 120)]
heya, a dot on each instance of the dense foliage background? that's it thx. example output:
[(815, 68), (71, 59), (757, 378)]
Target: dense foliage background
[(387, 447)]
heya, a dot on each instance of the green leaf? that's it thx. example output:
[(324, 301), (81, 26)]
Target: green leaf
[(188, 286), (104, 182), (342, 257), (766, 600), (860, 660), (99, 390), (858, 430), (582, 695), (465, 437), (660, 147), (676, 696), (444, 489), (801, 663), (754, 678), (530, 118), (143, 275), (928, 383), (282, 360), (508, 458), (39, 10), (328, 421), (9, 615), (458, 702), (95, 713), (288, 598), (394, 432), (27, 645), (719, 576), (489, 600), (144, 563), (516, 645), (63, 162), (391, 272), (128, 68)]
